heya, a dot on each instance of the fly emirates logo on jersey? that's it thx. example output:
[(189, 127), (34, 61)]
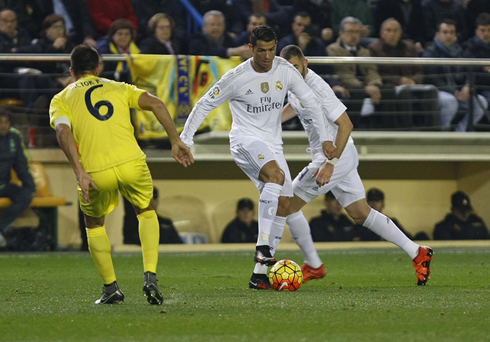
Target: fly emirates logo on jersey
[(266, 103)]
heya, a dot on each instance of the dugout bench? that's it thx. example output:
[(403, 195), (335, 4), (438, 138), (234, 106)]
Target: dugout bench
[(44, 203)]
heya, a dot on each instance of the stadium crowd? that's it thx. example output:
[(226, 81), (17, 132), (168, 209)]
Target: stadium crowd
[(378, 97)]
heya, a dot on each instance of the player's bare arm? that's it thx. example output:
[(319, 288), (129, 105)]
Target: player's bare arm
[(180, 152), (288, 113), (65, 139), (343, 134)]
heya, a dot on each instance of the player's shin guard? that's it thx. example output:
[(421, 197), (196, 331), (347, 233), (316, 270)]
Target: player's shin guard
[(149, 231), (277, 230), (300, 230), (384, 227), (100, 250), (269, 199)]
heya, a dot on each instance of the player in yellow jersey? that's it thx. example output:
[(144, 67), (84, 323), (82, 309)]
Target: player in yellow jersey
[(93, 127)]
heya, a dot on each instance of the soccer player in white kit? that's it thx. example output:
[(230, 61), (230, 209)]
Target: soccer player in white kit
[(344, 183), (256, 90)]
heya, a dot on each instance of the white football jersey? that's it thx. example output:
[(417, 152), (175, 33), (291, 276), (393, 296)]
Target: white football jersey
[(331, 107), (256, 102)]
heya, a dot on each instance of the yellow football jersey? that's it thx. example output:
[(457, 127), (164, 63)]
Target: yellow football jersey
[(99, 111)]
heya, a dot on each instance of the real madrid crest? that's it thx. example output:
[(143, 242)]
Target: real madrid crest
[(264, 86), (261, 157), (278, 85)]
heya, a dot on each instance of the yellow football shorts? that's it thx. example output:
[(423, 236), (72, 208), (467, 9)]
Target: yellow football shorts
[(132, 179)]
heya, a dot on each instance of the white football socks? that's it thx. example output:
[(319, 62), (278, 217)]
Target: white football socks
[(384, 227), (268, 201), (300, 230), (277, 230)]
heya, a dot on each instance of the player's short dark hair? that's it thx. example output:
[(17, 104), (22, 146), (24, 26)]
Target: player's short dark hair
[(264, 33), (84, 58), (291, 51), (483, 19), (446, 21), (245, 203)]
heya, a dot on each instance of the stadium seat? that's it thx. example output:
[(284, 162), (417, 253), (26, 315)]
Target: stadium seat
[(188, 214)]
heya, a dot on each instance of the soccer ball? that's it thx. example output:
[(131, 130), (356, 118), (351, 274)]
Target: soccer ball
[(286, 275)]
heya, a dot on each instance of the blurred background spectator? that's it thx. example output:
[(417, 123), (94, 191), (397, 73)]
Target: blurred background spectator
[(410, 15), (479, 47), (461, 223), (362, 82), (452, 79), (78, 23), (146, 9), (119, 40), (333, 224), (244, 228), (161, 40), (354, 8), (254, 20), (214, 40)]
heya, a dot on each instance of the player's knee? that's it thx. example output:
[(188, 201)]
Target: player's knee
[(277, 176)]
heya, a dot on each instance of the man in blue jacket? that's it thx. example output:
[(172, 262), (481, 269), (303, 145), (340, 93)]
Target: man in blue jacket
[(13, 155)]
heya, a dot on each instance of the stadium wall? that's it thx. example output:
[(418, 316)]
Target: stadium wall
[(417, 194)]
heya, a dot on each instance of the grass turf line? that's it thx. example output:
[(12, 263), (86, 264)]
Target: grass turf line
[(367, 295)]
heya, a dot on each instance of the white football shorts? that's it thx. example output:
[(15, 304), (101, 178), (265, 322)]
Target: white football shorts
[(252, 155), (345, 184)]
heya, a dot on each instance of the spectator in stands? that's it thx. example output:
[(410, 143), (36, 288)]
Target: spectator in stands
[(473, 9), (437, 10), (120, 40), (23, 10), (254, 20), (79, 26), (410, 15), (479, 47), (11, 37), (391, 45), (320, 12), (304, 35), (146, 9), (37, 90), (354, 8), (362, 82), (461, 223), (243, 228), (53, 39), (161, 40), (214, 41), (451, 79), (105, 12), (278, 16), (233, 20), (332, 225), (13, 155), (168, 233)]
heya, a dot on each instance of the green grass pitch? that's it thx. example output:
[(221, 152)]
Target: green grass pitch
[(368, 295)]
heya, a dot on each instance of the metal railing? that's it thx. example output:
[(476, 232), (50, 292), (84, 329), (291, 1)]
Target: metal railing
[(35, 121)]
